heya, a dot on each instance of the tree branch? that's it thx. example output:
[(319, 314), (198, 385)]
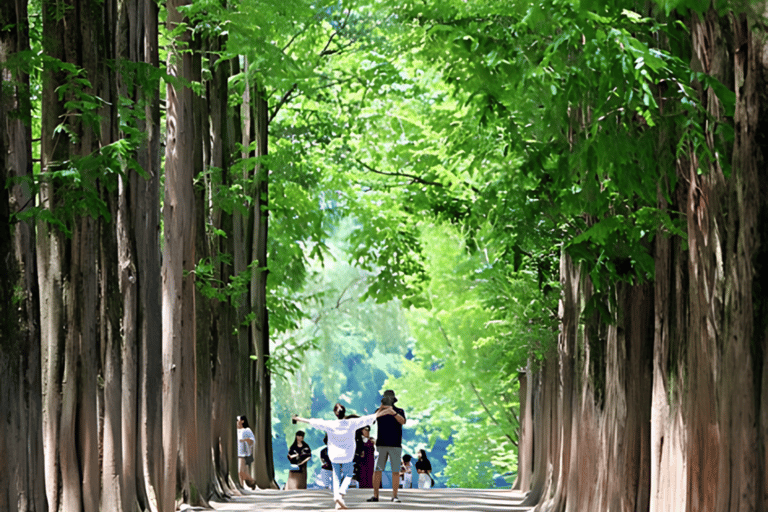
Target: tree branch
[(282, 102), (412, 177), (287, 96), (488, 412)]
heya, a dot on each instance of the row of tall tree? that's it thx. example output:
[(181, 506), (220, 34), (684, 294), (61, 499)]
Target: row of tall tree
[(120, 378)]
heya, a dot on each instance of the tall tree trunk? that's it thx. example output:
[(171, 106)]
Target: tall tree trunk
[(52, 265), (220, 153), (264, 470), (116, 348), (20, 396), (525, 439), (177, 266), (198, 371), (143, 198), (203, 476), (242, 240), (230, 366), (91, 310), (128, 52)]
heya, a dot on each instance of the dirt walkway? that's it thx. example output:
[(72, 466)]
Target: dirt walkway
[(479, 500)]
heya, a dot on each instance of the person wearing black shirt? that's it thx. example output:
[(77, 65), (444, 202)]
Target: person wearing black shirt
[(389, 444), (424, 469), (299, 454)]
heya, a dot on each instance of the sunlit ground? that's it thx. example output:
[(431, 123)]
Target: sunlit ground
[(480, 500)]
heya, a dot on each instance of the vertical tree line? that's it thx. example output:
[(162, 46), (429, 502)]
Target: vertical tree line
[(656, 399), (21, 438), (121, 380)]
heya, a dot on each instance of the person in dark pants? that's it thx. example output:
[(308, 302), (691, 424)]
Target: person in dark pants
[(390, 444), (367, 458)]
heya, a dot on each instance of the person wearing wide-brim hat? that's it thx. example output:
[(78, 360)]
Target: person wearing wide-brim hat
[(389, 444)]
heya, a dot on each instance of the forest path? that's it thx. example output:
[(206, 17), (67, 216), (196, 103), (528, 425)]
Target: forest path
[(479, 500)]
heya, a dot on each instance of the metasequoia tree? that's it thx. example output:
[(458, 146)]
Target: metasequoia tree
[(256, 134), (137, 224), (226, 357), (67, 253), (178, 293), (20, 396), (667, 415)]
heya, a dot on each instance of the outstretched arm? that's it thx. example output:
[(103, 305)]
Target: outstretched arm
[(384, 411), (299, 419)]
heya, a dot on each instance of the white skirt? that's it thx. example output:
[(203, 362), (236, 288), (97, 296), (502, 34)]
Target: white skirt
[(425, 482)]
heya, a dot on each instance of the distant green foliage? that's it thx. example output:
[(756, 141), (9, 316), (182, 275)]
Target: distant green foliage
[(344, 347), (462, 384)]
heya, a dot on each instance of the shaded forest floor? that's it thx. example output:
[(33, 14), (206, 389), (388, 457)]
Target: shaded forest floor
[(480, 500)]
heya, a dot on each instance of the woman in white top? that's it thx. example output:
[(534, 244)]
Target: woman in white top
[(341, 445), (245, 443)]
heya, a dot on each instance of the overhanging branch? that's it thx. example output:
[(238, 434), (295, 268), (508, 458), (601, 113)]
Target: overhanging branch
[(488, 412), (415, 179)]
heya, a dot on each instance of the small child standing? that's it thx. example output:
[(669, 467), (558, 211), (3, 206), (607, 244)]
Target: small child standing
[(406, 477)]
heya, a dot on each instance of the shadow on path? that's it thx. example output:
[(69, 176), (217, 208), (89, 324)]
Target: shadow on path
[(480, 500)]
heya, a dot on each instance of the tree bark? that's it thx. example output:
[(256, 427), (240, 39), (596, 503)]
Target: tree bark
[(53, 277), (264, 466), (178, 260), (682, 414), (224, 393), (525, 440), (143, 196), (203, 477), (193, 482), (740, 368), (20, 394)]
